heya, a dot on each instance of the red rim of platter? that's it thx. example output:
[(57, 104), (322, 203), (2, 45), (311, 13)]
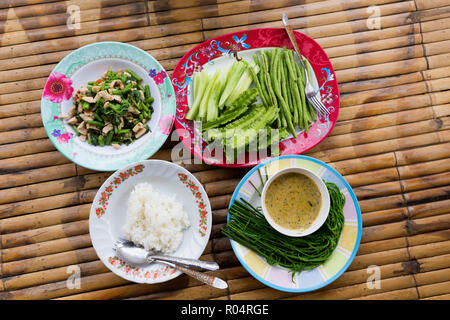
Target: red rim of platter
[(246, 40)]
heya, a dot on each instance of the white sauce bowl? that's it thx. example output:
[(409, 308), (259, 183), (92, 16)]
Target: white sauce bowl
[(323, 212)]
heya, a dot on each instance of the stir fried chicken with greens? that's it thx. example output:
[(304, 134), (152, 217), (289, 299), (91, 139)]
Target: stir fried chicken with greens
[(113, 110)]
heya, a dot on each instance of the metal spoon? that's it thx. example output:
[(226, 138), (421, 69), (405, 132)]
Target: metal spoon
[(131, 253), (139, 255)]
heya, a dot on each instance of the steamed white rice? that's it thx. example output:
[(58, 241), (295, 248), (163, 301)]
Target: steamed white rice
[(154, 220)]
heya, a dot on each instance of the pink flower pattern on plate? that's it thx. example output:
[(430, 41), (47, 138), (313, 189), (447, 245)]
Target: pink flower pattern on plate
[(62, 137), (58, 88), (157, 77)]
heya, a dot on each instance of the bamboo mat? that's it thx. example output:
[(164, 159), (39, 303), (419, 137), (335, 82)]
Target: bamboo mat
[(392, 143)]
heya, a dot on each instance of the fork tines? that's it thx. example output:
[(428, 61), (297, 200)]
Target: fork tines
[(320, 108)]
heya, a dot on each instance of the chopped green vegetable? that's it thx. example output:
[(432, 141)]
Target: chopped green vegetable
[(244, 82), (201, 81), (207, 96), (235, 74), (101, 141), (212, 103)]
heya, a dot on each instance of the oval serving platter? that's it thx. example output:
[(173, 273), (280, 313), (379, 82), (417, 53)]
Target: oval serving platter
[(108, 215), (88, 63), (221, 50), (281, 278)]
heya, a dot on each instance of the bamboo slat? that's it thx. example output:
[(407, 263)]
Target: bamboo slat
[(402, 294), (436, 289), (22, 135), (328, 16), (45, 219), (53, 275), (20, 109), (56, 19), (54, 57), (54, 45)]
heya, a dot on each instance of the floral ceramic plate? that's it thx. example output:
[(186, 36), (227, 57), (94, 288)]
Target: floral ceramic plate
[(88, 63), (281, 278), (108, 215), (219, 51)]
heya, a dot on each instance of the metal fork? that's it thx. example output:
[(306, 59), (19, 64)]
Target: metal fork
[(309, 90)]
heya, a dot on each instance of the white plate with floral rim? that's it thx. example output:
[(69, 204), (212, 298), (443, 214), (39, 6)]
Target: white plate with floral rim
[(86, 64), (108, 215)]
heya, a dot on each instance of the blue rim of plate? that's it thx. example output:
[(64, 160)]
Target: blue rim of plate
[(63, 139), (358, 215)]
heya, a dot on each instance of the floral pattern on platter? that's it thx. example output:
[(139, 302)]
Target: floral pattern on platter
[(161, 272), (196, 60), (58, 88), (199, 200), (228, 44), (62, 137), (158, 77), (115, 181)]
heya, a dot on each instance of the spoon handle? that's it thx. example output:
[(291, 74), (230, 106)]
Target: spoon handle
[(208, 265), (203, 277)]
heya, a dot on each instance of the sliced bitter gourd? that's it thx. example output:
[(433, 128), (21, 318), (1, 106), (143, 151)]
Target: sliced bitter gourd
[(245, 99), (226, 117), (255, 113), (244, 136)]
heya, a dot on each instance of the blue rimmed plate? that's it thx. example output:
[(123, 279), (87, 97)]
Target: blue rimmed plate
[(86, 64), (281, 278)]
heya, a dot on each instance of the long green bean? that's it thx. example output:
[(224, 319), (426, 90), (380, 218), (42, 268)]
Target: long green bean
[(257, 83), (95, 123), (305, 112), (109, 137), (134, 75), (264, 89), (296, 92), (283, 82), (276, 84), (267, 79), (101, 141), (288, 80), (74, 127)]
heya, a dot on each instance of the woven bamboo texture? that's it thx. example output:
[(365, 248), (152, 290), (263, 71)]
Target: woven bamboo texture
[(391, 143)]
